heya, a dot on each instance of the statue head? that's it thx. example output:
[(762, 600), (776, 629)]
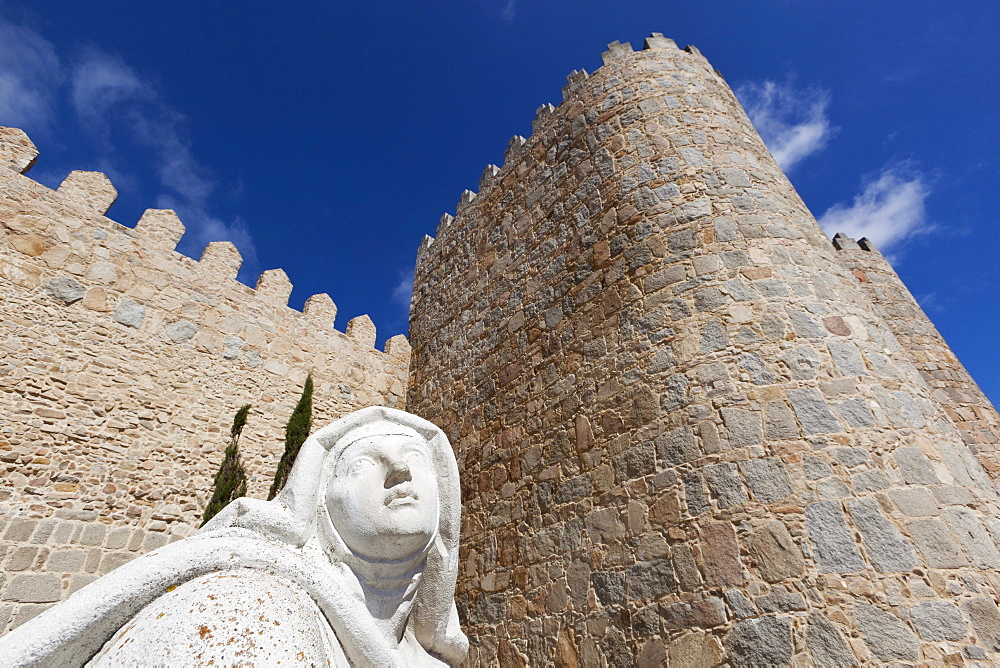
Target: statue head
[(382, 492)]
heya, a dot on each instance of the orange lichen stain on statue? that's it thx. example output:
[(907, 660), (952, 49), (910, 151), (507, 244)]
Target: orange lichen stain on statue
[(204, 631), (301, 656), (171, 587)]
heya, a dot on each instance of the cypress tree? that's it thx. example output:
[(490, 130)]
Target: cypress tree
[(296, 432), (231, 480)]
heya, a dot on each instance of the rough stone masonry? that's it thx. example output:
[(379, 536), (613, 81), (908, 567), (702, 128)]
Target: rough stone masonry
[(122, 363), (691, 430)]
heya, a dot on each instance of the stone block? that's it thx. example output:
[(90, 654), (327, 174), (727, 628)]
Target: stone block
[(847, 358), (775, 555), (832, 488), (66, 561), (180, 331), (677, 447), (129, 313), (739, 604), (21, 558), (702, 614), (112, 560), (870, 481), (813, 412), (744, 427), (886, 636), (855, 412), (725, 486), (694, 650), (686, 567), (888, 551), (649, 579), (938, 620), (985, 618), (802, 362), (767, 479), (833, 544), (936, 544), (20, 530), (765, 641), (93, 534), (66, 289), (34, 588), (914, 501), (609, 587), (756, 368), (972, 537), (826, 645), (720, 555), (780, 600), (914, 467), (694, 494)]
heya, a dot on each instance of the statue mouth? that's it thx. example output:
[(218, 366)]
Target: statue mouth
[(401, 496)]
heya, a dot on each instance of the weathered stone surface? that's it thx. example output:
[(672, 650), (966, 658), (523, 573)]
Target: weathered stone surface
[(888, 637), (813, 413), (609, 586), (129, 313), (973, 537), (780, 600), (66, 289), (985, 620), (936, 544), (938, 620), (774, 553), (695, 649), (767, 478), (914, 466), (720, 555), (648, 579), (914, 501), (765, 641), (725, 486), (743, 426), (835, 550), (34, 588), (826, 646), (888, 550), (739, 604), (181, 331)]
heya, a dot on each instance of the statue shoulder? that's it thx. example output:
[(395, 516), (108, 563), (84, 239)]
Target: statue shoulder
[(239, 617)]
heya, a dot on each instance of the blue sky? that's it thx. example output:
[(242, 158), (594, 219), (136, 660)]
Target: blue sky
[(328, 138)]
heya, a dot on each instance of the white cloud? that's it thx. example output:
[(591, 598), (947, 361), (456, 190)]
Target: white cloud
[(403, 291), (792, 122), (109, 97), (508, 10), (888, 210), (30, 76), (125, 115)]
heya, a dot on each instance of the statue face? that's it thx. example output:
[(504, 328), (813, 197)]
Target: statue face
[(383, 498)]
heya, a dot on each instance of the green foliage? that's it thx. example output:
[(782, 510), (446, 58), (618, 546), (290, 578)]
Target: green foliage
[(231, 480), (296, 433)]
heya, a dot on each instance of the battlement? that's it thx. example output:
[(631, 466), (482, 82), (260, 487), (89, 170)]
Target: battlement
[(155, 237), (122, 363), (570, 117)]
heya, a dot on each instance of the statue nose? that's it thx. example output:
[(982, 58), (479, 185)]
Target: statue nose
[(399, 472)]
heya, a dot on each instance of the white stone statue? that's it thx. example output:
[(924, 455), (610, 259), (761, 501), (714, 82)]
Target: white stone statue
[(353, 564)]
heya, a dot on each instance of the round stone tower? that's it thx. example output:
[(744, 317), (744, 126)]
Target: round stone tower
[(686, 435)]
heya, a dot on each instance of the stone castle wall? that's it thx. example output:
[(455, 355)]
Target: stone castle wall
[(967, 406), (685, 432), (122, 364)]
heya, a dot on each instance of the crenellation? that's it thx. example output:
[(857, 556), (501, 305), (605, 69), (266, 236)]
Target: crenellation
[(616, 51), (514, 147), (93, 190), (362, 330), (160, 228), (274, 287), (656, 40), (221, 260), (489, 174), (541, 114), (464, 201), (17, 151), (321, 311)]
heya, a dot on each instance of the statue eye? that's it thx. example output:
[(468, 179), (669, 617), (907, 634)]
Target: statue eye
[(361, 464)]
